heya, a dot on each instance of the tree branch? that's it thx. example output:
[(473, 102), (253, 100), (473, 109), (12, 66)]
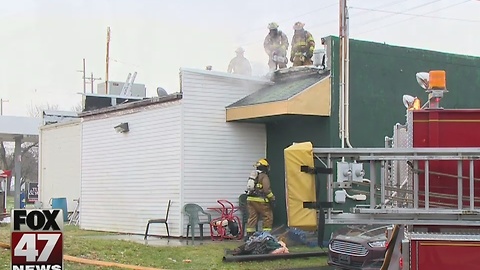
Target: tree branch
[(3, 156), (26, 149), (10, 165)]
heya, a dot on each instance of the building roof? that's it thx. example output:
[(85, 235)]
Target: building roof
[(288, 83), (228, 75), (133, 104), (14, 126), (52, 117), (296, 91)]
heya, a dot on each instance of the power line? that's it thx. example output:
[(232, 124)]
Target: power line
[(389, 16), (382, 6), (124, 63), (292, 18), (356, 14), (417, 16), (310, 12), (329, 21)]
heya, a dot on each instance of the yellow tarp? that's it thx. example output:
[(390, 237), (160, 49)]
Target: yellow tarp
[(300, 186)]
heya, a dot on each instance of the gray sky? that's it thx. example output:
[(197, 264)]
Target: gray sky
[(44, 41)]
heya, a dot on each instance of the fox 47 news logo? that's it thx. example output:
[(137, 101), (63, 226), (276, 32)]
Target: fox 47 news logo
[(37, 239)]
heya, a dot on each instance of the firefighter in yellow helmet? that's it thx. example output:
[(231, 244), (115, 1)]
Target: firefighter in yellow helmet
[(303, 46), (276, 46), (260, 198)]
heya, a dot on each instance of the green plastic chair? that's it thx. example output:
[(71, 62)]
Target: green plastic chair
[(193, 211)]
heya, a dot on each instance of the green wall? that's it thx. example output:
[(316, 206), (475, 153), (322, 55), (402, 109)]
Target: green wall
[(381, 74), (281, 133)]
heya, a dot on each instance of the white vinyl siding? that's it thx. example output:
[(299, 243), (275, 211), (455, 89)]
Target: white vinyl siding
[(129, 177), (218, 156), (59, 162), (182, 150)]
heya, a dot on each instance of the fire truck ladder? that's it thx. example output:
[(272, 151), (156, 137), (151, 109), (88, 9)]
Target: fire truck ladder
[(405, 202)]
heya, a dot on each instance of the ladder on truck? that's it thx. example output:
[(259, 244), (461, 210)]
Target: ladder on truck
[(405, 202), (127, 87), (431, 195), (449, 219)]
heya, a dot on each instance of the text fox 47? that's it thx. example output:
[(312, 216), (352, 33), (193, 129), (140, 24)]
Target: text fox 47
[(37, 239)]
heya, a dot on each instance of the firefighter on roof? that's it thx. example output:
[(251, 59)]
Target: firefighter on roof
[(303, 46), (276, 46), (239, 64), (260, 199)]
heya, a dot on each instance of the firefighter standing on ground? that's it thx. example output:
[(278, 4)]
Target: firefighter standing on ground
[(260, 199), (240, 64), (303, 46), (276, 43)]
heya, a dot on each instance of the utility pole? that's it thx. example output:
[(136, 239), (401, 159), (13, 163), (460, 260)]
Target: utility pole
[(341, 35), (107, 60), (92, 80), (344, 74), (84, 79), (1, 105)]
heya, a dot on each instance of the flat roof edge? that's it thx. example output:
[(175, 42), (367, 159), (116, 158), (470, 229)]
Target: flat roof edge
[(227, 75), (135, 104)]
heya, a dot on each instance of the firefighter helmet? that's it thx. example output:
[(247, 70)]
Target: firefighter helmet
[(263, 165), (298, 26), (273, 25), (239, 50)]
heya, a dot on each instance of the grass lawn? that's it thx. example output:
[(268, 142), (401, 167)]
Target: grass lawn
[(10, 203), (207, 256)]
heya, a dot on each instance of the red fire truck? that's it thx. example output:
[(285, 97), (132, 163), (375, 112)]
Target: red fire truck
[(423, 183)]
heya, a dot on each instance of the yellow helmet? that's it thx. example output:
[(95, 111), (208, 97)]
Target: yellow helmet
[(263, 165), (298, 26), (262, 162), (272, 25)]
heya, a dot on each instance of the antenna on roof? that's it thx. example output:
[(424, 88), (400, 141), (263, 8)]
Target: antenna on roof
[(107, 60)]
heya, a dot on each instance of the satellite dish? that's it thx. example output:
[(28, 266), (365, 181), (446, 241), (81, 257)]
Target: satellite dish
[(408, 100), (161, 92), (423, 79)]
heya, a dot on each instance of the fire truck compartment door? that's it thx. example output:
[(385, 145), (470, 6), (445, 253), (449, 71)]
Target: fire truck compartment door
[(300, 186), (446, 255)]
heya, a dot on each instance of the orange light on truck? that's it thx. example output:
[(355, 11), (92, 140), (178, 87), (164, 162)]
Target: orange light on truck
[(437, 80), (416, 105)]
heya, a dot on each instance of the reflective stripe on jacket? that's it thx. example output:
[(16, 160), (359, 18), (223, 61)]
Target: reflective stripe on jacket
[(280, 42), (303, 43), (263, 189)]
